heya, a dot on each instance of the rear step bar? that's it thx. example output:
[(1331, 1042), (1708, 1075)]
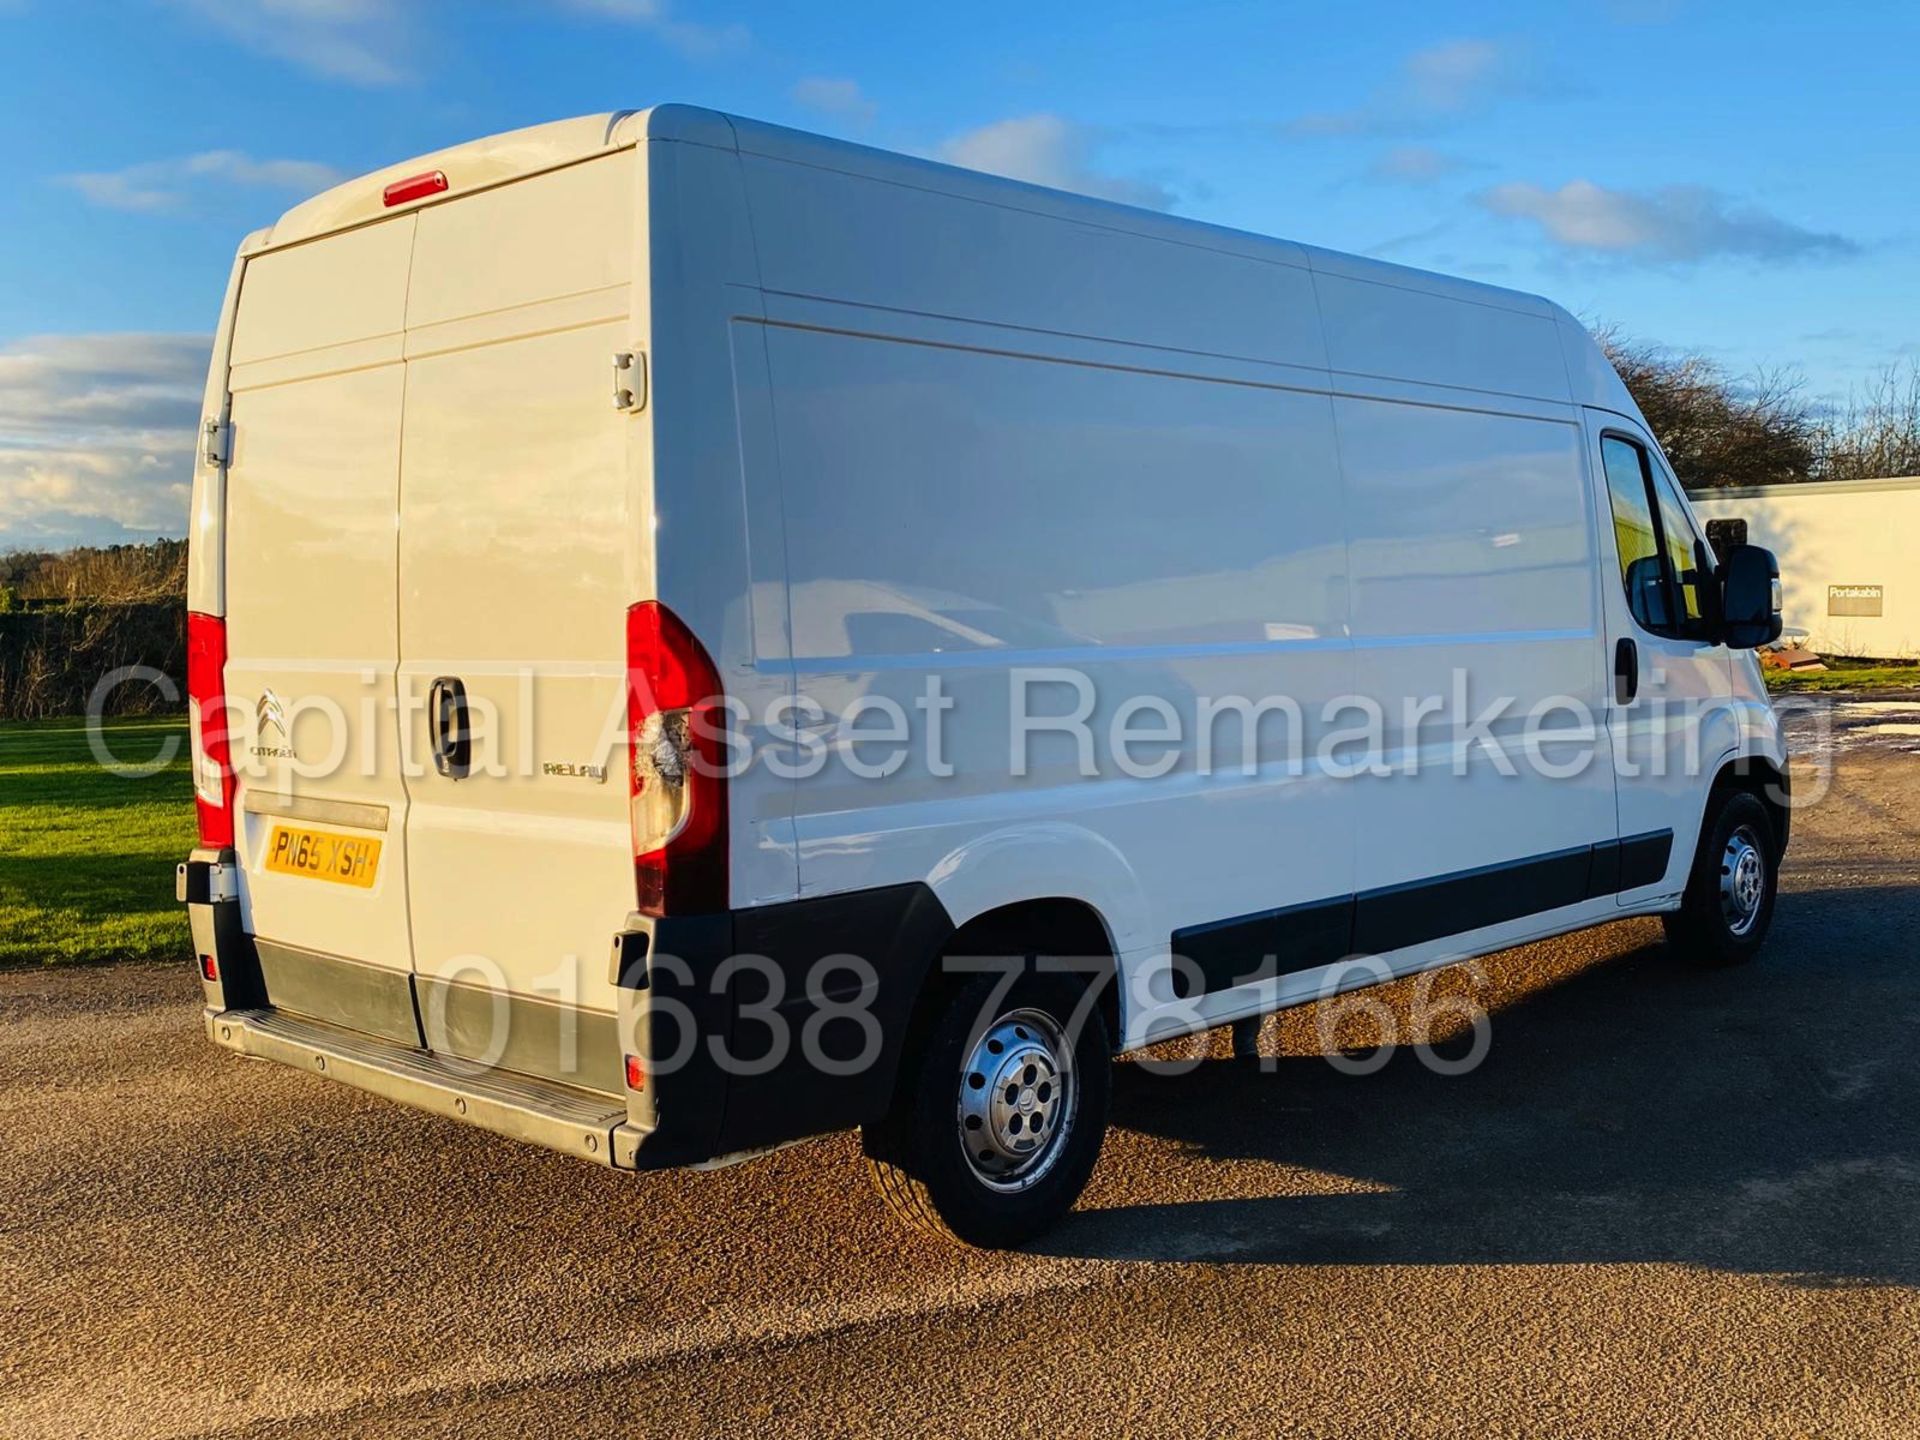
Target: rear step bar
[(571, 1121)]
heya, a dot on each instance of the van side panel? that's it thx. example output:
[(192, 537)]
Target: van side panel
[(716, 541), (1378, 329), (1034, 453), (1043, 456), (317, 385), (846, 237), (1471, 550)]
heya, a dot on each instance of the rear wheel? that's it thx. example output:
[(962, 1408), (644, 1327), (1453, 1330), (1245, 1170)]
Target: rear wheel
[(999, 1118), (1728, 907)]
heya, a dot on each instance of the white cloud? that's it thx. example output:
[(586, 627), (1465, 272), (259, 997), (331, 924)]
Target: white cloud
[(368, 42), (164, 184), (1441, 82), (358, 41), (96, 437), (690, 37), (1046, 150), (1675, 223), (1449, 78), (842, 99), (1415, 165)]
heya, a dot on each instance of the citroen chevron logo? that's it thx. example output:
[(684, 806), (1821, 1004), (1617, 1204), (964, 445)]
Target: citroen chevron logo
[(269, 712)]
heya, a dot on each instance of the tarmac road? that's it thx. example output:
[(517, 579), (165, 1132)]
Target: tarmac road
[(1667, 1203)]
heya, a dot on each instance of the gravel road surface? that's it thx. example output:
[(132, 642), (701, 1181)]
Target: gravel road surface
[(1667, 1203)]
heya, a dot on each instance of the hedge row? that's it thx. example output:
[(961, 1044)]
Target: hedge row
[(52, 661)]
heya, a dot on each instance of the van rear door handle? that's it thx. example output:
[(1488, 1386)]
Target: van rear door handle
[(447, 714), (1626, 671)]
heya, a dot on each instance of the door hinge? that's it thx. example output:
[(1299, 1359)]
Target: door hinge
[(216, 441), (630, 380)]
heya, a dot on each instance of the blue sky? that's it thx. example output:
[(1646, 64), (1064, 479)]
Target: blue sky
[(1734, 179)]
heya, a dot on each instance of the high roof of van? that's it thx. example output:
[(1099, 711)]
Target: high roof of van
[(473, 166), (496, 159)]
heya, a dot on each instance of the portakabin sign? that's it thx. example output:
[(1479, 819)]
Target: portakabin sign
[(1855, 599)]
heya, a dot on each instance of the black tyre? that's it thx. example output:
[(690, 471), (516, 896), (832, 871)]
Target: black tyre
[(999, 1116), (1736, 874)]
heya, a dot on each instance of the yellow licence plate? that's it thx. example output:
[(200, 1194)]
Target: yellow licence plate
[(323, 855)]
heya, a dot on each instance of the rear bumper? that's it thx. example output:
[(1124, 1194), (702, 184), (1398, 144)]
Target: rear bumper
[(714, 1088), (580, 1123)]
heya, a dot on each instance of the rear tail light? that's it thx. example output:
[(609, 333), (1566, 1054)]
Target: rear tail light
[(209, 968), (207, 728), (675, 763), (636, 1073)]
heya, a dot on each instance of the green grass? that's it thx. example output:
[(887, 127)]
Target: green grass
[(87, 856), (1845, 677)]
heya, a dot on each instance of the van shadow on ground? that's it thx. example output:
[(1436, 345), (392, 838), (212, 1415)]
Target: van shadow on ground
[(1765, 1120)]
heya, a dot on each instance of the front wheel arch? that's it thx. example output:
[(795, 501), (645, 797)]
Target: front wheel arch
[(1702, 931), (1766, 782)]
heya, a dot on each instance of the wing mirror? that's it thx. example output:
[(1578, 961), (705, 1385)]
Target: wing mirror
[(1750, 597)]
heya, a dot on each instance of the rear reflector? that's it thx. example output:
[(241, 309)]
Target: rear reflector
[(208, 969), (636, 1073), (415, 187), (207, 728)]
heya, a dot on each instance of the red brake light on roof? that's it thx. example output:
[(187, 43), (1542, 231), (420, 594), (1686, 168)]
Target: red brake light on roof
[(415, 187), (677, 784), (207, 728)]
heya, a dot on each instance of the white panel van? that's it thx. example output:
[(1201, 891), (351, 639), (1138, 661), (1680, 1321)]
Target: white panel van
[(703, 635)]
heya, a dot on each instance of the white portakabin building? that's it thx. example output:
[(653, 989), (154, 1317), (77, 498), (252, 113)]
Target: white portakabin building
[(1849, 558)]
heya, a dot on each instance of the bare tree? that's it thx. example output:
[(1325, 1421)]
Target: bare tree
[(1877, 432), (1761, 429), (1716, 430)]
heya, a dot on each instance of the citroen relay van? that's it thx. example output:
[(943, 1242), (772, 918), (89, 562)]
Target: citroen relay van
[(703, 636)]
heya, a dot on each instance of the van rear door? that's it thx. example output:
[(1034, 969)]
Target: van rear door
[(518, 558), (317, 382)]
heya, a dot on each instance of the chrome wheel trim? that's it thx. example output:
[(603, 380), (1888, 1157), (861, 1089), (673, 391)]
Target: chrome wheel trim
[(1743, 881), (1018, 1100)]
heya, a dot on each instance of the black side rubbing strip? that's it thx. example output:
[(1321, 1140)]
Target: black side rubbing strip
[(1643, 858), (1236, 952), (1603, 876), (1245, 948), (1396, 916)]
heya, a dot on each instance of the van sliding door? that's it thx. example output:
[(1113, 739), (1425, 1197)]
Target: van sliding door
[(1477, 630)]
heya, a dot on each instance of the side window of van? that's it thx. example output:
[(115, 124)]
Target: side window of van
[(1665, 564), (1691, 558), (1636, 535)]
